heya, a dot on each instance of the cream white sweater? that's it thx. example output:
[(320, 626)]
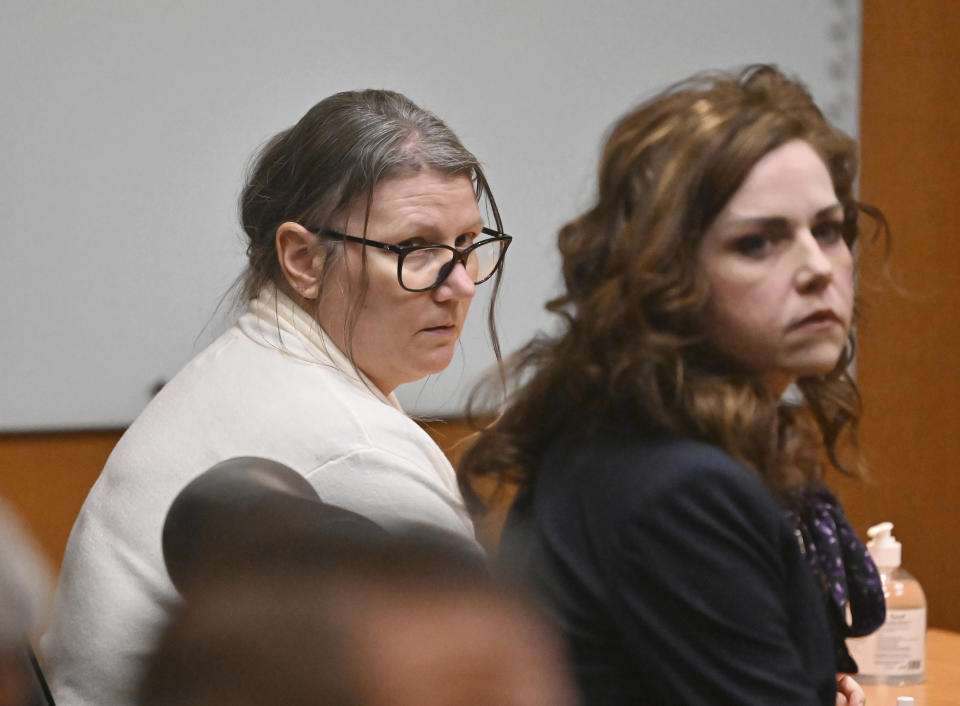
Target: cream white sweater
[(273, 385)]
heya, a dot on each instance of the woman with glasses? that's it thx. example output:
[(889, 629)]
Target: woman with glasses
[(669, 504), (365, 243)]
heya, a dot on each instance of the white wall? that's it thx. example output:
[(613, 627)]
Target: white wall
[(125, 128)]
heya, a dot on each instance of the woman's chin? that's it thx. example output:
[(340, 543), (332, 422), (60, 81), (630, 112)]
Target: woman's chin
[(434, 364)]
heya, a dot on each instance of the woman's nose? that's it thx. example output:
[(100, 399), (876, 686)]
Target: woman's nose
[(815, 268), (457, 285)]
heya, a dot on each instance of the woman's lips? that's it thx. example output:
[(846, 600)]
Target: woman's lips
[(818, 319), (443, 329)]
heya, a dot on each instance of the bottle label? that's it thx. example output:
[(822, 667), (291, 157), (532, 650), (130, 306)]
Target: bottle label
[(896, 649)]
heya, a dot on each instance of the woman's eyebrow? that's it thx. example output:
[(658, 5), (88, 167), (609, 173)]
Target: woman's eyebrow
[(829, 211), (430, 228), (762, 221), (780, 221)]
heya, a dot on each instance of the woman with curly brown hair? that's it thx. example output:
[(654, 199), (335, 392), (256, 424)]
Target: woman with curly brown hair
[(670, 505)]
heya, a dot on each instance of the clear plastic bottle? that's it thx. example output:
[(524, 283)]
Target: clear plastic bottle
[(896, 653)]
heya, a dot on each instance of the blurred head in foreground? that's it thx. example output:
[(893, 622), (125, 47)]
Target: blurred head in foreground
[(25, 591), (396, 621)]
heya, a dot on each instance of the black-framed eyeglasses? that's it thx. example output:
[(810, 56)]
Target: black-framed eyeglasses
[(424, 267)]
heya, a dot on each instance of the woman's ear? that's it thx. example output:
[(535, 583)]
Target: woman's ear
[(301, 258)]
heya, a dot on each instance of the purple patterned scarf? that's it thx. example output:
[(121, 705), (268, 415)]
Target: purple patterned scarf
[(846, 573)]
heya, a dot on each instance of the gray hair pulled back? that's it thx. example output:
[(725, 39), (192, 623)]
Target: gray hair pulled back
[(335, 155)]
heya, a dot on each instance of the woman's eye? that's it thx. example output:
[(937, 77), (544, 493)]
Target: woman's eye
[(753, 245), (410, 242), (464, 240), (828, 231)]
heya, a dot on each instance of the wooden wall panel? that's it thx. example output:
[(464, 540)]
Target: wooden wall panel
[(909, 348), (45, 477)]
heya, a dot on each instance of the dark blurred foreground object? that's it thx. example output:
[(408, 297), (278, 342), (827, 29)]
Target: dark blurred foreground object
[(292, 601), (25, 589), (245, 507)]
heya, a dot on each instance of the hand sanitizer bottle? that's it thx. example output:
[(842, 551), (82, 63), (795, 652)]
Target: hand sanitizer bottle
[(895, 653)]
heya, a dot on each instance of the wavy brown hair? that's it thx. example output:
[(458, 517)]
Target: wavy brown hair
[(633, 340)]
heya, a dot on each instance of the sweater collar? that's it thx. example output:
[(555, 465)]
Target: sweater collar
[(276, 311)]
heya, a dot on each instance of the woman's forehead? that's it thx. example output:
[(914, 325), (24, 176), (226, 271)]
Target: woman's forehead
[(427, 199)]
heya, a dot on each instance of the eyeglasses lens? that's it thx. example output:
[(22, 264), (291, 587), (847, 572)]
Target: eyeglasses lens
[(425, 267)]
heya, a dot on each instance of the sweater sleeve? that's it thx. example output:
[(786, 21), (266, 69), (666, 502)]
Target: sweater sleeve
[(703, 590), (393, 491)]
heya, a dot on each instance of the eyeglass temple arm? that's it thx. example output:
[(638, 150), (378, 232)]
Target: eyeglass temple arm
[(363, 241)]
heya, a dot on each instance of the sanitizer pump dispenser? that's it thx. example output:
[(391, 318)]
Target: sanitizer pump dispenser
[(896, 653)]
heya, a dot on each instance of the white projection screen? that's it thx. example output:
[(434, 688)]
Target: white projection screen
[(127, 126)]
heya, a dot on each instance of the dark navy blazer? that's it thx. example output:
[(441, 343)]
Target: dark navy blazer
[(673, 572)]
